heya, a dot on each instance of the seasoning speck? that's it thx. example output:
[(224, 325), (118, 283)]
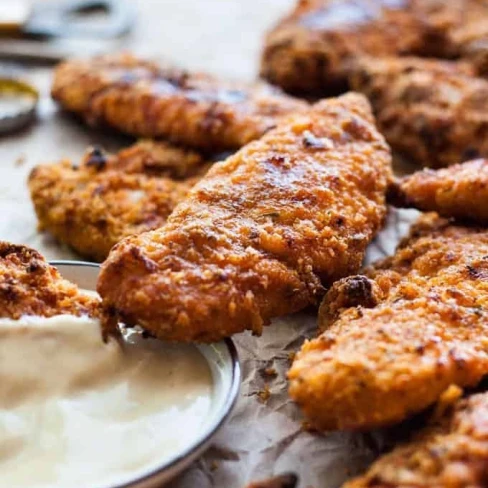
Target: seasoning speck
[(264, 394), (312, 141), (21, 159)]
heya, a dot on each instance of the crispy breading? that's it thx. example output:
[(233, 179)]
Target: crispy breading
[(468, 32), (432, 112), (155, 158), (460, 191), (376, 366), (262, 233), (92, 206), (312, 49), (143, 99), (451, 452), (30, 286)]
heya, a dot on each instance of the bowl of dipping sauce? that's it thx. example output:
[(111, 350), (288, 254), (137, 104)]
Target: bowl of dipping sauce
[(129, 413)]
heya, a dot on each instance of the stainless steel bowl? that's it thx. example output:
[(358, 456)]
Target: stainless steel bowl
[(224, 364)]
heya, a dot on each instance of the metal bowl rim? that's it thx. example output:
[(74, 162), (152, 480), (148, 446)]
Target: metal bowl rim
[(230, 400)]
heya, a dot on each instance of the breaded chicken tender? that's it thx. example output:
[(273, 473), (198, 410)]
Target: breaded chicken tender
[(451, 452), (262, 233), (309, 51), (312, 50), (460, 191), (467, 28), (92, 206), (397, 345), (432, 112), (30, 286), (143, 99)]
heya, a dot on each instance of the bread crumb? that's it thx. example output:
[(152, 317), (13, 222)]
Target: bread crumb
[(270, 372), (21, 159), (264, 394)]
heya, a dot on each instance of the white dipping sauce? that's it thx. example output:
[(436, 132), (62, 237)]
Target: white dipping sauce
[(75, 411)]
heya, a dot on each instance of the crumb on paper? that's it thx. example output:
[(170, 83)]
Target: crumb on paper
[(287, 480), (214, 466), (270, 372), (264, 394), (307, 427), (21, 159)]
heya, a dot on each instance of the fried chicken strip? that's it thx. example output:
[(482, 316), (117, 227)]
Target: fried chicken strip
[(143, 99), (261, 233), (419, 327), (92, 206), (451, 452), (460, 191), (312, 50), (30, 286), (468, 32), (433, 112)]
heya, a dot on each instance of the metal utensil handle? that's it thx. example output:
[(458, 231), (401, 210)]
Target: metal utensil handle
[(13, 16), (56, 19)]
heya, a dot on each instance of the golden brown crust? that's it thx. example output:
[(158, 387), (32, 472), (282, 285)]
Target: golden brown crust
[(433, 112), (261, 232), (376, 366), (156, 158), (30, 286), (352, 291), (144, 99), (94, 205), (312, 49), (452, 452), (460, 191)]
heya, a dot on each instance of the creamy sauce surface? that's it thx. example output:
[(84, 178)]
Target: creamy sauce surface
[(13, 103), (75, 411)]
